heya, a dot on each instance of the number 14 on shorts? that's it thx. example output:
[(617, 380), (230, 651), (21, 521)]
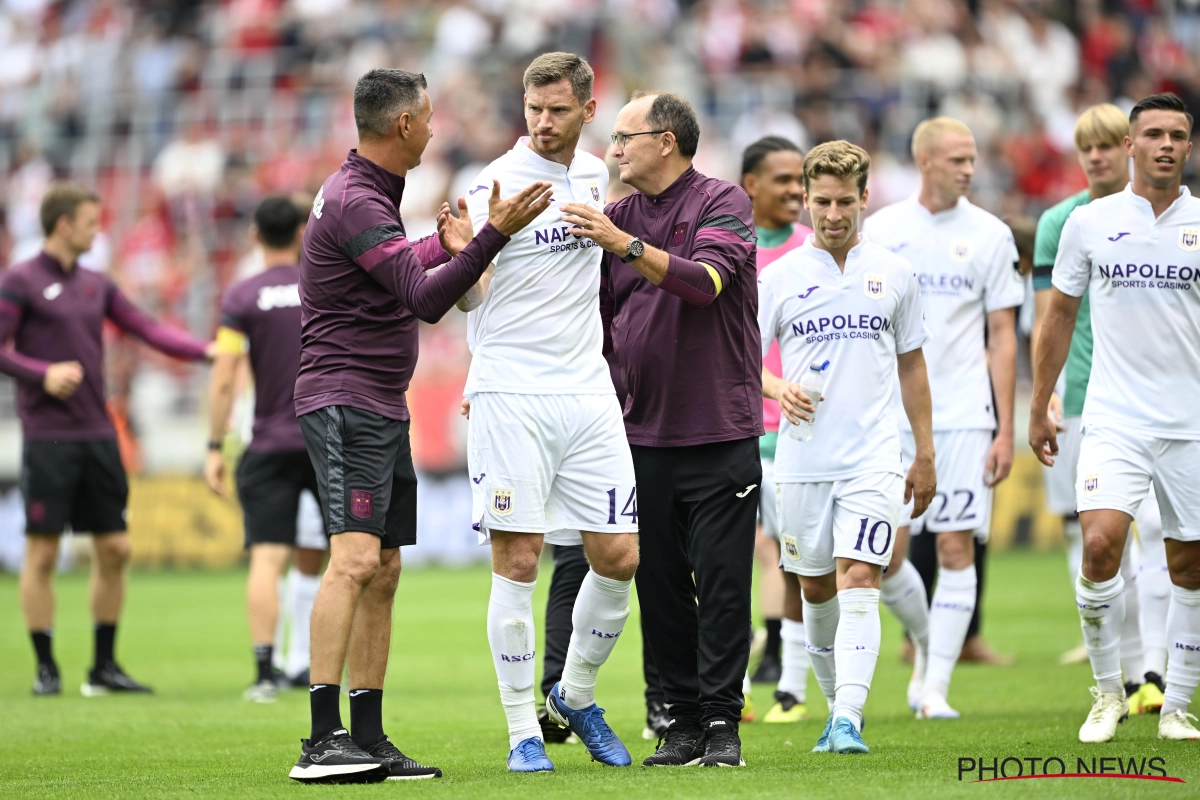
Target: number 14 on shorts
[(629, 509)]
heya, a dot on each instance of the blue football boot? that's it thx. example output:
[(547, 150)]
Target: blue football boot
[(845, 738), (823, 743), (589, 725), (530, 756)]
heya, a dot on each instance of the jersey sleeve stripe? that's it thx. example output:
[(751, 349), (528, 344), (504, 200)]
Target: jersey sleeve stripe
[(373, 257), (357, 245), (15, 298), (729, 223)]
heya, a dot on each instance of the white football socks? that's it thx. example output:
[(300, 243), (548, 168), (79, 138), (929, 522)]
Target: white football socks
[(1132, 651), (904, 595), (302, 594), (1102, 615), (1154, 597), (1183, 632), (793, 678), (820, 631), (510, 634), (855, 651), (949, 618), (601, 609)]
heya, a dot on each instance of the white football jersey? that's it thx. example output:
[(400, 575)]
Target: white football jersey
[(538, 330), (966, 262), (1143, 275), (858, 321)]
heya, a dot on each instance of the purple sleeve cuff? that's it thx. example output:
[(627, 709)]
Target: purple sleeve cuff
[(430, 252), (689, 281), (164, 338)]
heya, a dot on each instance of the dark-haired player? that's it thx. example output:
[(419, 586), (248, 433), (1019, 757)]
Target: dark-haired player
[(53, 312), (260, 316)]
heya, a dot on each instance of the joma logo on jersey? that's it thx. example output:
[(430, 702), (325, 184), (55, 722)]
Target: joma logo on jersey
[(556, 234), (502, 502), (1189, 239), (873, 285), (287, 296), (1091, 483)]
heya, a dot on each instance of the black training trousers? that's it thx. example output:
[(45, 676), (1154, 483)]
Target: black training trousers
[(697, 507), (570, 568)]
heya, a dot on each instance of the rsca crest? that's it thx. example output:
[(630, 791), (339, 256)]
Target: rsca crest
[(874, 286), (502, 502), (789, 546), (595, 187), (1091, 483), (1189, 239), (961, 250)]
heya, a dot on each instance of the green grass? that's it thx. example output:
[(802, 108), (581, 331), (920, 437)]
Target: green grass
[(185, 633)]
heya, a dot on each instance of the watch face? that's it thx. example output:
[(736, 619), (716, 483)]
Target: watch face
[(636, 248)]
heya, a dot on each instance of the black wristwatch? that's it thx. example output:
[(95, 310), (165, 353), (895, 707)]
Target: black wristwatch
[(214, 445), (635, 250)]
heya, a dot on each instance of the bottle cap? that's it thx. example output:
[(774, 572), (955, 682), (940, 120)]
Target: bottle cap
[(819, 367)]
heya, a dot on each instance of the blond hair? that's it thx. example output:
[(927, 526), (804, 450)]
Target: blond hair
[(551, 68), (1101, 124), (930, 132), (839, 158)]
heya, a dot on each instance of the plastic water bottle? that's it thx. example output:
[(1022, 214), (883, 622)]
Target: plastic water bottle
[(812, 384)]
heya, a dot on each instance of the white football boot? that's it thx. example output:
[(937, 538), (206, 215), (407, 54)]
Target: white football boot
[(1109, 710), (1177, 725)]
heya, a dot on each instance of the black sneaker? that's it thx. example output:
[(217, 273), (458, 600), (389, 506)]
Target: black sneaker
[(298, 681), (402, 767), (110, 678), (680, 746), (1131, 688), (722, 747), (552, 732), (1157, 680), (769, 670), (47, 681), (337, 759)]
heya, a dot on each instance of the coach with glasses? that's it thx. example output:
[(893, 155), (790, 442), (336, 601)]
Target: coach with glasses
[(679, 300)]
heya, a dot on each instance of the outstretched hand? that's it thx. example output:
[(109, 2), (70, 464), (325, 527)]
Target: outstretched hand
[(592, 223), (511, 215), (454, 232)]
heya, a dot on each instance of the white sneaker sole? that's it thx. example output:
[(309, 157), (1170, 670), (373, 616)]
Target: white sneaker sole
[(91, 690), (317, 773)]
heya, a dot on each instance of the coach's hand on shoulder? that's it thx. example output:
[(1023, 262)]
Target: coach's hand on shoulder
[(214, 472), (62, 379), (920, 484), (1043, 436), (454, 232), (511, 215)]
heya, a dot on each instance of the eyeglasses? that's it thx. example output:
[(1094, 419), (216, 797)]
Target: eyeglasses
[(619, 139)]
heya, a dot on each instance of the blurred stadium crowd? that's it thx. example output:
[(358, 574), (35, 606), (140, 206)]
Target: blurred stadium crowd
[(183, 114)]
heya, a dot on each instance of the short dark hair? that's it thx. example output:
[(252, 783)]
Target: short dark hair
[(63, 199), (1167, 101), (382, 95), (670, 112), (277, 219), (551, 68), (752, 156)]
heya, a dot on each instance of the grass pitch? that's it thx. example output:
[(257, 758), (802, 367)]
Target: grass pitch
[(185, 634)]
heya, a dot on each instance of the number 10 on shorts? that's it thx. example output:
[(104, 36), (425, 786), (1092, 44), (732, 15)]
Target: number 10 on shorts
[(881, 530), (629, 510)]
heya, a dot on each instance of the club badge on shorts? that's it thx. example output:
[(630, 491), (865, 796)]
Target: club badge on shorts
[(502, 502), (789, 546), (961, 250), (874, 286), (1091, 483), (361, 503), (1189, 239)]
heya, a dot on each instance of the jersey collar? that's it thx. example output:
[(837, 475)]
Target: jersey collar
[(389, 183), (925, 214), (541, 162), (826, 258), (1143, 205)]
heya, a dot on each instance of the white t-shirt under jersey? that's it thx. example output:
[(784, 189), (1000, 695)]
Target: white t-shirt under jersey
[(538, 330), (965, 260), (858, 321), (1143, 278)]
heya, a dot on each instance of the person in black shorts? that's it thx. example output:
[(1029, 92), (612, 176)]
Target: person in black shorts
[(363, 286), (261, 316), (53, 313)]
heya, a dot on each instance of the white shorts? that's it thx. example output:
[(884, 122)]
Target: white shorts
[(853, 518), (767, 502), (550, 464), (1117, 469), (963, 501), (1059, 480)]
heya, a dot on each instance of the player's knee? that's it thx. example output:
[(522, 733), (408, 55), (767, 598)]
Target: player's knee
[(40, 560), (1101, 556), (356, 568), (860, 575), (1184, 567), (112, 552), (620, 566), (955, 550), (388, 576)]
